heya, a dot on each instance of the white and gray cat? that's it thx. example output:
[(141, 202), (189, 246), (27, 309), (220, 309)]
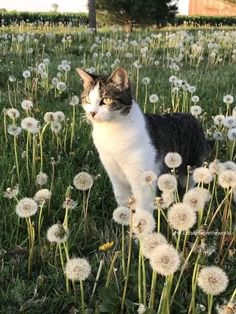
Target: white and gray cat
[(129, 142)]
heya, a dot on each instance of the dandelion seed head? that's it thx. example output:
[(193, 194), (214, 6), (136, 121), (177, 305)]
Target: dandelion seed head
[(173, 160), (48, 117), (212, 280), (11, 193), (30, 124), (41, 179), (26, 104), (150, 241), (228, 99), (181, 217), (74, 100), (13, 130), (143, 222), (59, 116), (56, 126), (148, 178), (121, 215), (77, 269), (229, 165), (195, 99), (229, 308), (202, 175), (167, 182), (61, 86), (13, 113), (232, 134), (146, 80), (153, 98), (227, 179), (196, 198), (195, 110), (69, 203), (83, 181), (218, 119), (57, 233), (165, 259), (216, 167), (42, 196), (26, 207), (26, 74), (229, 122)]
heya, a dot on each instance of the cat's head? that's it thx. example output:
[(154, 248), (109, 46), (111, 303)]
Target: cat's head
[(106, 98)]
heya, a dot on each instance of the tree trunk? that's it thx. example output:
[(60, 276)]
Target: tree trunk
[(92, 15)]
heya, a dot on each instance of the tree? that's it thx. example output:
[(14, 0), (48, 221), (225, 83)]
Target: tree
[(130, 12), (92, 14), (55, 7)]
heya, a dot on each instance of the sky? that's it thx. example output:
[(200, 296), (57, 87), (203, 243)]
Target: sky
[(64, 5)]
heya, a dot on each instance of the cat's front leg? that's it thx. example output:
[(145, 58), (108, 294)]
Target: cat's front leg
[(144, 194), (121, 187)]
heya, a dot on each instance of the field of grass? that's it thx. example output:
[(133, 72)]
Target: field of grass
[(176, 65)]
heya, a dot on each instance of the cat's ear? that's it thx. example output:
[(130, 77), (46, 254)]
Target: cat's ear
[(119, 78), (86, 77)]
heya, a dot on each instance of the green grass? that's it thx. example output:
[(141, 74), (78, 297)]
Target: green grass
[(45, 291)]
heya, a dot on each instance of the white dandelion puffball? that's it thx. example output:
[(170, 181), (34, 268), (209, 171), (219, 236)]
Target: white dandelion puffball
[(153, 98), (197, 198), (13, 113), (74, 100), (26, 104), (77, 269), (30, 124), (164, 201), (57, 234), (195, 99), (26, 207), (165, 259), (212, 280), (219, 119), (143, 222), (59, 116), (121, 215), (195, 110), (56, 126), (13, 130), (228, 99), (48, 117), (26, 74), (181, 217), (229, 122), (42, 196), (227, 179), (150, 241), (61, 86), (148, 178), (202, 175), (146, 80), (41, 178), (167, 182), (173, 160), (229, 165), (232, 134), (11, 193), (216, 167), (83, 181)]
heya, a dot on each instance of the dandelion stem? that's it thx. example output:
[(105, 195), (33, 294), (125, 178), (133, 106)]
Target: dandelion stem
[(82, 296), (16, 159), (210, 303), (111, 268), (123, 248)]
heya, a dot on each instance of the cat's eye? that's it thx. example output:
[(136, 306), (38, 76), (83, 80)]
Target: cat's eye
[(107, 101)]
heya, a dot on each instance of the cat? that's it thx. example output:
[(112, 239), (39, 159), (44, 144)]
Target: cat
[(129, 142)]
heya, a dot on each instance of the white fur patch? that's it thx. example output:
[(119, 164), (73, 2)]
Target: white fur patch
[(126, 152)]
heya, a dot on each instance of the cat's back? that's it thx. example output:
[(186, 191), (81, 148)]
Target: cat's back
[(177, 132)]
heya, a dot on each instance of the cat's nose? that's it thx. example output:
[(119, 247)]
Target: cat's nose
[(93, 113)]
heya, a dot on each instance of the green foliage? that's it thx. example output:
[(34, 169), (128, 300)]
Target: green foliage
[(205, 20), (39, 18), (135, 11)]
